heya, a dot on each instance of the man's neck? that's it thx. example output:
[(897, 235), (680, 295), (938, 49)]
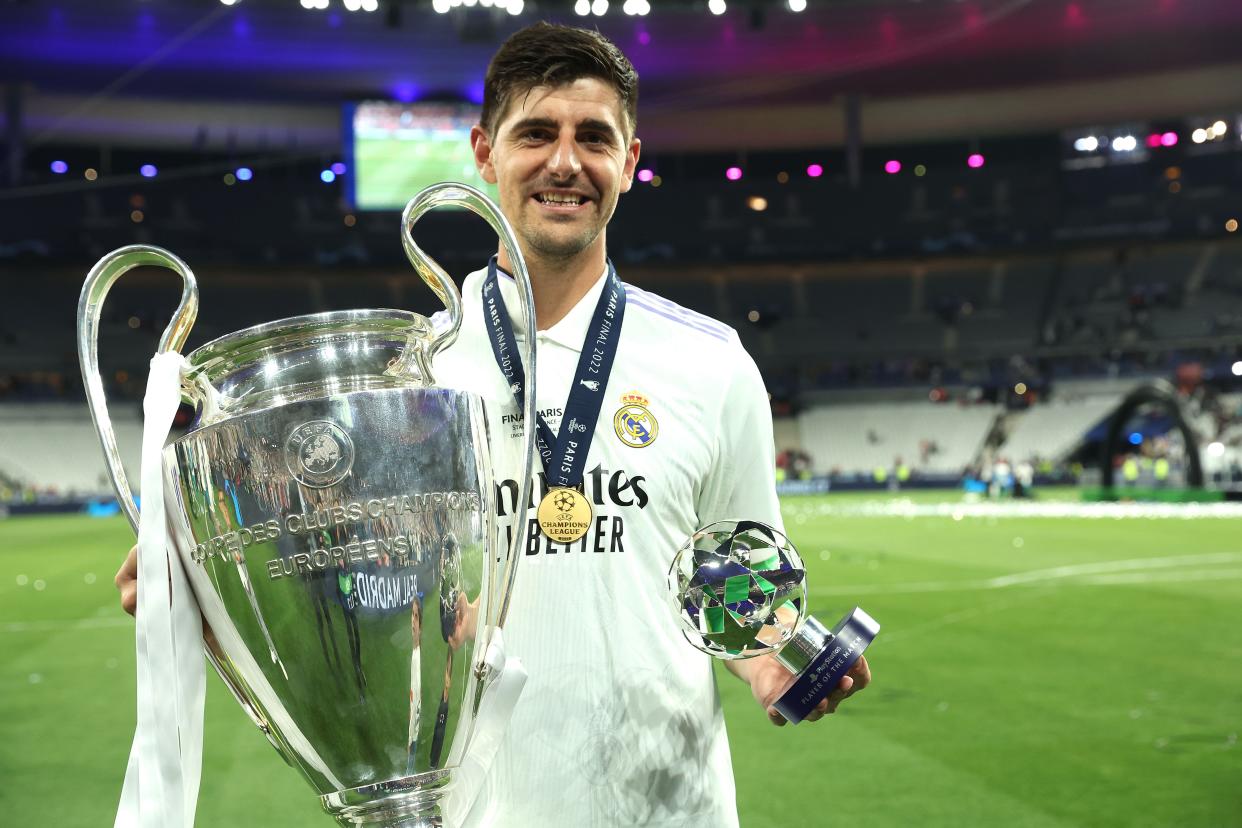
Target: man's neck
[(558, 284)]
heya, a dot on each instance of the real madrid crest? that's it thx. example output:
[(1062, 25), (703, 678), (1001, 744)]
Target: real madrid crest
[(319, 454), (564, 514), (634, 422)]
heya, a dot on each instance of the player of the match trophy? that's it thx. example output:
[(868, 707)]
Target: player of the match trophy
[(334, 509), (739, 589)]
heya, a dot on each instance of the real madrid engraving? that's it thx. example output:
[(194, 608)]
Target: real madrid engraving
[(327, 499)]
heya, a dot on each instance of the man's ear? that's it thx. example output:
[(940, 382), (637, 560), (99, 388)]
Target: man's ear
[(631, 164), (482, 147)]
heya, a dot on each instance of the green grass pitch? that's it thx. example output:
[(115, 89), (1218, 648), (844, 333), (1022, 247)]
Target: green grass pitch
[(1101, 687)]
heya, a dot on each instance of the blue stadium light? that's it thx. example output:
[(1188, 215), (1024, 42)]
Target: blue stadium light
[(244, 173), (338, 168), (148, 171), (60, 167), (1136, 439), (327, 176)]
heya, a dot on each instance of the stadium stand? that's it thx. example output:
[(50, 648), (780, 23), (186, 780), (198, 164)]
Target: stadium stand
[(929, 438), (1052, 430), (52, 448)]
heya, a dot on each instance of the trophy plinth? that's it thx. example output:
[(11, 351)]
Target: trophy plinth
[(739, 591)]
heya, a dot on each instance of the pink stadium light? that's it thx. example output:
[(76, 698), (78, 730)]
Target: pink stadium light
[(1169, 139), (892, 167), (733, 173), (815, 170), (1153, 140), (975, 161), (645, 175)]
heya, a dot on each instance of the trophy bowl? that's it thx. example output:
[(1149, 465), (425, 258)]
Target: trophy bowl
[(333, 508)]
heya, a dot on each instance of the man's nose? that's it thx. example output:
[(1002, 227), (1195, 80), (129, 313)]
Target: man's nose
[(564, 162)]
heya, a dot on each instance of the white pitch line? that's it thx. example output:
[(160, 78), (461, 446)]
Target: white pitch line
[(1017, 509), (53, 626), (1100, 567), (1099, 573), (1122, 578)]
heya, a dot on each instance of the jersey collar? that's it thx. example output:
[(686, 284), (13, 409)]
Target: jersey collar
[(571, 330)]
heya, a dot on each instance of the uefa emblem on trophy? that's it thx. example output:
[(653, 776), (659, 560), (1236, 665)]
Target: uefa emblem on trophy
[(333, 509), (739, 590)]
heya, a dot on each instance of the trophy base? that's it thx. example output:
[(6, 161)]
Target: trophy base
[(819, 658), (409, 802)]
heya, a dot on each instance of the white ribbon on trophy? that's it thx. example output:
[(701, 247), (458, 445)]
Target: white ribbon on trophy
[(490, 724), (165, 761)]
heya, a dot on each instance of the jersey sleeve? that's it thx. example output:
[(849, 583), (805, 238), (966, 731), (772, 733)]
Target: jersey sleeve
[(742, 482)]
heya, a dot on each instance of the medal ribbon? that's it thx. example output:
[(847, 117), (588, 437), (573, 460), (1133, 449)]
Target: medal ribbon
[(564, 455)]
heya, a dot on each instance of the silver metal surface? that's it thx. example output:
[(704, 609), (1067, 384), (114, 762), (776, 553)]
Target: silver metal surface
[(335, 512), (461, 195), (807, 643), (348, 611), (90, 309)]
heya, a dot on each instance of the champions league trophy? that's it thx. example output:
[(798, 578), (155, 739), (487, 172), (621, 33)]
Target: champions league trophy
[(334, 511), (739, 590)]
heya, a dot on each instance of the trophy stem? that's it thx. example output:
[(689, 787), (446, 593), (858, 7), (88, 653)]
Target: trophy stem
[(811, 639), (411, 802), (383, 820)]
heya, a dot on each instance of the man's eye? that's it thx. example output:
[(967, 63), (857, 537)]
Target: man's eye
[(594, 138), (536, 135)]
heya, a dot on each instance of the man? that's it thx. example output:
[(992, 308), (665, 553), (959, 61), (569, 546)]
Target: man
[(620, 721)]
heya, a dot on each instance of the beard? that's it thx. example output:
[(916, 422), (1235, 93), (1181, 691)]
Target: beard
[(549, 245)]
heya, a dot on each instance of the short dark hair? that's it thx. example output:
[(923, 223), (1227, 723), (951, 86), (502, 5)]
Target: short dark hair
[(549, 54)]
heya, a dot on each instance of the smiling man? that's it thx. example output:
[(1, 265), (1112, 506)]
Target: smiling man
[(656, 423), (559, 144)]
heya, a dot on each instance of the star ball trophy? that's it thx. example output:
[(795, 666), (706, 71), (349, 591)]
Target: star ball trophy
[(326, 496), (739, 590)]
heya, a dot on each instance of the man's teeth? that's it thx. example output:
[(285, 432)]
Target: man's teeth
[(557, 198)]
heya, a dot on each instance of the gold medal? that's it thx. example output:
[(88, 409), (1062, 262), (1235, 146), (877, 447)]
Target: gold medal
[(564, 514)]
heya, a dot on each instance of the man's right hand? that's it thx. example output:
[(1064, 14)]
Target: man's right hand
[(127, 581)]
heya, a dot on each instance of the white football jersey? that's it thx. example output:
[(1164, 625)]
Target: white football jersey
[(620, 722)]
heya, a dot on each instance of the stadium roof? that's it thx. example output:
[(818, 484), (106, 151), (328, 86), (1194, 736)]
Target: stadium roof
[(755, 56)]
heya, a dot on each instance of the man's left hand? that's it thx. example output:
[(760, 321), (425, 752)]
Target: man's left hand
[(768, 678)]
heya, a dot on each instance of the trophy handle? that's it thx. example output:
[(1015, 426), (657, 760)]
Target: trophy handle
[(90, 308), (462, 195)]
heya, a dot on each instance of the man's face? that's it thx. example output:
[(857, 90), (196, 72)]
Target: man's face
[(560, 157)]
